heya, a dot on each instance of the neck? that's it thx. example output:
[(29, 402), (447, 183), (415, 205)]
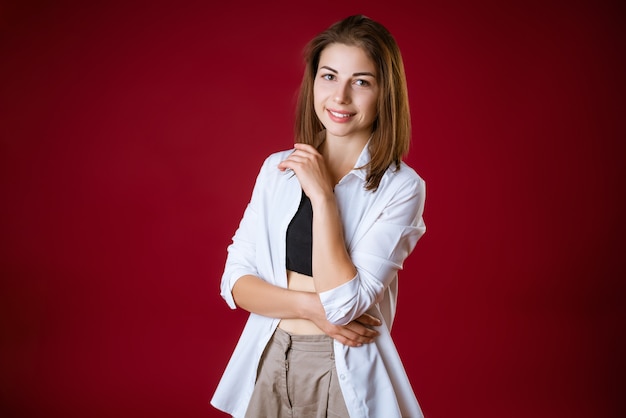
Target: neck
[(341, 154)]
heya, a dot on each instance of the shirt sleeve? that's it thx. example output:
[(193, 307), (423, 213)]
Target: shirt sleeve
[(241, 258), (379, 254)]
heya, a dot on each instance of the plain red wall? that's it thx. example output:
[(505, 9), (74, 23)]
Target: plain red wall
[(130, 137)]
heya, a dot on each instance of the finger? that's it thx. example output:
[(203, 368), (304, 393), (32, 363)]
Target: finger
[(367, 319), (365, 333), (351, 342), (349, 337), (305, 147), (309, 152), (346, 341), (299, 157), (292, 162), (360, 333)]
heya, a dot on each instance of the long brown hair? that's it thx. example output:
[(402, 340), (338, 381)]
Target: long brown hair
[(392, 128)]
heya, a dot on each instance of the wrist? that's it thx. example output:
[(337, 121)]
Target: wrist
[(310, 306), (324, 202)]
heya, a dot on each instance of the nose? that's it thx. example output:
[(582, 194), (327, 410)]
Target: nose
[(342, 93)]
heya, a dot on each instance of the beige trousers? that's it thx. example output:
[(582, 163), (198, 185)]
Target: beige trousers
[(297, 379)]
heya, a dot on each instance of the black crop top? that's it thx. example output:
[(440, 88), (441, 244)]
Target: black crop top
[(300, 239)]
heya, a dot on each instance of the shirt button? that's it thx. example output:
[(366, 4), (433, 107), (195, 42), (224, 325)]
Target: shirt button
[(342, 376)]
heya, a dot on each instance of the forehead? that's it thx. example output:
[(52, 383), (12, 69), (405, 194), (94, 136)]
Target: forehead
[(347, 59)]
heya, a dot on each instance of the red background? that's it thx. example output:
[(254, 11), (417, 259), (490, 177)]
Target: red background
[(130, 137)]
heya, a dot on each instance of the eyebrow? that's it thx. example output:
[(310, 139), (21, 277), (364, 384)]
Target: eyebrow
[(360, 74)]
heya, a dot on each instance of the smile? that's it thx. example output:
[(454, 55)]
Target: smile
[(340, 115)]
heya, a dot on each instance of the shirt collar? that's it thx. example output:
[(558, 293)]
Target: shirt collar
[(360, 168)]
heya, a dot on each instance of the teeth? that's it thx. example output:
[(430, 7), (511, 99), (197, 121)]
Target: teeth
[(339, 115)]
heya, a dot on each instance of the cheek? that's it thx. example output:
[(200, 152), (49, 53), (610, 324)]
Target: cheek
[(319, 93), (318, 104), (371, 108), (318, 111), (318, 99)]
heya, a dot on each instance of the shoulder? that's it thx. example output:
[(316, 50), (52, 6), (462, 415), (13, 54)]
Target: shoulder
[(402, 177), (403, 190), (269, 176), (407, 172), (269, 168), (276, 157)]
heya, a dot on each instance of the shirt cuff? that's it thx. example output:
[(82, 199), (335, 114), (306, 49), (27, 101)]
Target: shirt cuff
[(227, 287), (340, 302)]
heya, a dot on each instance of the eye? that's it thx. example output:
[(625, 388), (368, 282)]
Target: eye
[(361, 83), (328, 77)]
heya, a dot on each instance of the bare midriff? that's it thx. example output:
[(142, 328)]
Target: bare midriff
[(298, 326)]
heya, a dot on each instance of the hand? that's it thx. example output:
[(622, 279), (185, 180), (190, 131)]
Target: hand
[(310, 168), (356, 333)]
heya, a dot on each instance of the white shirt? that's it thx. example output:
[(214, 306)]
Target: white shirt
[(381, 229)]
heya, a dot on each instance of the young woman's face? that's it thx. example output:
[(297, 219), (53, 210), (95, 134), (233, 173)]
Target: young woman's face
[(345, 91)]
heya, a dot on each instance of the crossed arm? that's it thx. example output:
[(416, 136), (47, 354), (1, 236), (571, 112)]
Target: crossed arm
[(256, 295), (332, 265)]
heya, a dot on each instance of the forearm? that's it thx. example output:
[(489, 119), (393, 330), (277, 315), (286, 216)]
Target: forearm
[(258, 296), (332, 265)]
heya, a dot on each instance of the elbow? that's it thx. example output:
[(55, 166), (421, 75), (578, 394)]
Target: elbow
[(348, 312), (229, 296), (230, 291), (340, 317), (347, 302)]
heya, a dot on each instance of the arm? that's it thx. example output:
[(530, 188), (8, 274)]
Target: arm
[(378, 250), (349, 282), (256, 295), (242, 286), (332, 265)]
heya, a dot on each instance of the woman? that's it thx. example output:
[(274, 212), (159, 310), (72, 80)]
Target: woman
[(316, 255)]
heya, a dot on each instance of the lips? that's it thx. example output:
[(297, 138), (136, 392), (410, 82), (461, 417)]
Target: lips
[(339, 115)]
